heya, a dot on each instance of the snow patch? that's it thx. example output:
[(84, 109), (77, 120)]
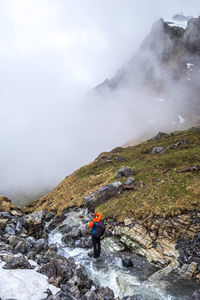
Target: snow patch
[(181, 119), (189, 66), (23, 284), (173, 23)]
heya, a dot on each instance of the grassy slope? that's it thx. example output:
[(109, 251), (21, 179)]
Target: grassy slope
[(172, 194)]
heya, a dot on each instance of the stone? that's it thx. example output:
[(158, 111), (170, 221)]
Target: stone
[(106, 293), (90, 295), (9, 230), (14, 240), (156, 150), (18, 262), (124, 172), (134, 297), (3, 223), (103, 194), (160, 136), (130, 182), (127, 221), (127, 262)]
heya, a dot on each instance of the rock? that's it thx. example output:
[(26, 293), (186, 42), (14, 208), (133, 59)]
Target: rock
[(134, 297), (127, 262), (130, 182), (54, 223), (124, 172), (157, 150), (35, 224), (74, 233), (160, 136), (20, 247), (68, 241), (39, 245), (5, 247), (49, 216), (84, 243), (65, 228), (127, 221), (90, 295), (103, 194), (3, 223), (36, 218), (18, 262), (9, 230), (106, 293), (14, 240)]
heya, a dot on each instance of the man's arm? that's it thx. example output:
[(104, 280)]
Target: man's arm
[(91, 224)]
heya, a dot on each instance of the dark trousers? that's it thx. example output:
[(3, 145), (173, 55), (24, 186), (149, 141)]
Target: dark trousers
[(96, 241)]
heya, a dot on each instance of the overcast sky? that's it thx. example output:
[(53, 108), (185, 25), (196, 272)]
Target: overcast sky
[(51, 53)]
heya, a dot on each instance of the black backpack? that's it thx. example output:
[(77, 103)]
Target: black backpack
[(99, 229)]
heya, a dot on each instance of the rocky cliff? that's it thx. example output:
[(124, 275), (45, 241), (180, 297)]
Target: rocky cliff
[(165, 68)]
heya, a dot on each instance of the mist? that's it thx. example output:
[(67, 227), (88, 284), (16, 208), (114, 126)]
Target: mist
[(52, 54)]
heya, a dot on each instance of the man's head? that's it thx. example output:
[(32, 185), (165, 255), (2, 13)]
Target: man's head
[(93, 216)]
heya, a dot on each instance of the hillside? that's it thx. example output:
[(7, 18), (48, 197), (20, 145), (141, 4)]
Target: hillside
[(167, 182)]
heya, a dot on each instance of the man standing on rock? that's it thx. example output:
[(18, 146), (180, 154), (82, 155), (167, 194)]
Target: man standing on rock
[(97, 229)]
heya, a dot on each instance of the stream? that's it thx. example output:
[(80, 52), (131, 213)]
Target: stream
[(108, 269)]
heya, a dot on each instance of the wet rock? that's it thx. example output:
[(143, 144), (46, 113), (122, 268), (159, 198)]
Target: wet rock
[(134, 297), (84, 243), (54, 223), (65, 228), (90, 295), (74, 233), (18, 262), (127, 262), (49, 216), (103, 194), (124, 172), (106, 293), (68, 241)]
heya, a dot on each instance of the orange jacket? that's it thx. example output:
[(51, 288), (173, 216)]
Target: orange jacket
[(98, 218)]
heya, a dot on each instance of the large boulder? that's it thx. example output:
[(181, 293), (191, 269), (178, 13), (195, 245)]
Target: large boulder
[(18, 262), (35, 224), (124, 172), (103, 194)]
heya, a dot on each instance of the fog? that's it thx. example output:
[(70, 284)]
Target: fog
[(52, 54)]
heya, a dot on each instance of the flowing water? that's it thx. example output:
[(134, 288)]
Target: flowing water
[(109, 271)]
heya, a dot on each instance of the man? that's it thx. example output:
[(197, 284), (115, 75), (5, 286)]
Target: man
[(97, 230)]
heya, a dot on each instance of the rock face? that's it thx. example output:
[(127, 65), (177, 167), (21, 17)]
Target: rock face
[(169, 54), (103, 194), (162, 243)]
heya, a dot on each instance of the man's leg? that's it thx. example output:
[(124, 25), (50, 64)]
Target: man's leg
[(98, 240), (94, 242)]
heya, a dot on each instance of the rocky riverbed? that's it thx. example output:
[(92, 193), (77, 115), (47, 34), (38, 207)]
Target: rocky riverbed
[(45, 256)]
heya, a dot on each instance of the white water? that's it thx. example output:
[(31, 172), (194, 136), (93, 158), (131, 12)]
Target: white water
[(108, 270)]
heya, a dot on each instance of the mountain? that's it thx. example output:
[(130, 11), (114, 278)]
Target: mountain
[(165, 70), (166, 180)]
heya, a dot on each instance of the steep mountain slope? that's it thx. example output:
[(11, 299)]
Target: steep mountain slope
[(164, 71), (166, 172)]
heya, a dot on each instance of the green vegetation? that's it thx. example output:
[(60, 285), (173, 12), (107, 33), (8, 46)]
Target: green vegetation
[(166, 192)]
